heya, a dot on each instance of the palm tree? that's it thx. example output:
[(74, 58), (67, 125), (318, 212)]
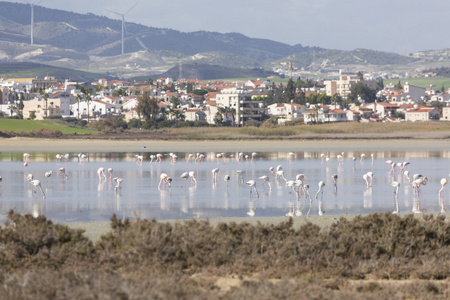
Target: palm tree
[(78, 97), (88, 100), (11, 109)]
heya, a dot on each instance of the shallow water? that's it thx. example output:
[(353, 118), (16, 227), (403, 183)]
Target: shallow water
[(82, 197)]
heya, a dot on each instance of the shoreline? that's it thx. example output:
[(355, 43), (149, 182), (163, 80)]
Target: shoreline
[(94, 230), (19, 144)]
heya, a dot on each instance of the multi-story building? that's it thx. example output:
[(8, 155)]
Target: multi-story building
[(342, 86), (241, 100)]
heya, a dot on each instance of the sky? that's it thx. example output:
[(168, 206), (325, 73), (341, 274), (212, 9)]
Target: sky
[(399, 26)]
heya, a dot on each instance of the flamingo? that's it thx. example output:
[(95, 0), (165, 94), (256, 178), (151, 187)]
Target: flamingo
[(418, 182), (185, 176), (164, 178), (266, 179), (26, 156), (254, 155), (252, 185), (362, 157), (240, 176), (36, 183), (139, 159), (406, 173), (30, 177), (321, 185), (58, 157), (227, 179), (110, 171), (48, 174), (291, 156), (159, 157), (373, 157), (214, 173), (101, 172), (152, 158), (192, 176), (240, 156), (66, 157), (441, 200), (396, 186), (81, 157), (334, 177), (219, 157), (190, 158), (63, 171), (404, 166), (370, 176), (118, 182)]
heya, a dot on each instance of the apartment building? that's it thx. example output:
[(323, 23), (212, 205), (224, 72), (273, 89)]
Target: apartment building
[(241, 100)]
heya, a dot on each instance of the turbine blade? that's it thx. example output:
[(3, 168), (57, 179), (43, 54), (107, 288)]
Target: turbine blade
[(131, 8), (114, 12)]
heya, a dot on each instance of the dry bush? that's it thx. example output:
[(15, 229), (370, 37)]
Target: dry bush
[(151, 259)]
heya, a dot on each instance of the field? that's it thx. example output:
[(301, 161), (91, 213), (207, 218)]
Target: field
[(379, 256), (423, 82), (16, 125)]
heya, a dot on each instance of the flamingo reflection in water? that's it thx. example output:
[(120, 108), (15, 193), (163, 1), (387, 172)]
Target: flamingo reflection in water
[(441, 199), (321, 185), (396, 186)]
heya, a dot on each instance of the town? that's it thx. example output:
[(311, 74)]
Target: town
[(223, 103)]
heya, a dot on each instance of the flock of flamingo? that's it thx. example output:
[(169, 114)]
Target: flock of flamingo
[(297, 186)]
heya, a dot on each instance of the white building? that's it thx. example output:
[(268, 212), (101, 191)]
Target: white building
[(246, 108)]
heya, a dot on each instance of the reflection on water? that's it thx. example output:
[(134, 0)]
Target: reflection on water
[(93, 186)]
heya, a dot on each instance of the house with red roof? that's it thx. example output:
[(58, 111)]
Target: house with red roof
[(422, 114)]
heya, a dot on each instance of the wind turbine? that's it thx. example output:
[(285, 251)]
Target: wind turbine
[(32, 18), (123, 24)]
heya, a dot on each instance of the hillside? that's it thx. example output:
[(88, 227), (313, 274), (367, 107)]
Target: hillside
[(93, 43)]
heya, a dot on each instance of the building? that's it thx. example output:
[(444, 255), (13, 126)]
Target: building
[(324, 115), (384, 109), (41, 108), (45, 83), (421, 114), (286, 111), (241, 100), (342, 86)]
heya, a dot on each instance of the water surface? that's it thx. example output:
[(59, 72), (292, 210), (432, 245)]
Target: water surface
[(83, 197)]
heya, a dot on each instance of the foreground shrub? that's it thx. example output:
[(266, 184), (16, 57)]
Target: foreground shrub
[(37, 242), (46, 132)]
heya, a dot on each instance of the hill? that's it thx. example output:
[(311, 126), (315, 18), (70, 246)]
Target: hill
[(93, 43)]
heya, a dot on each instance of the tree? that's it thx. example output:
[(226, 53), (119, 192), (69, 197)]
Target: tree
[(78, 98), (336, 99), (11, 108), (88, 100), (218, 118), (32, 115), (289, 93), (147, 107), (398, 86), (360, 89)]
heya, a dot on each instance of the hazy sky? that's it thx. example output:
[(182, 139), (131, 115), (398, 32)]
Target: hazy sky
[(400, 26)]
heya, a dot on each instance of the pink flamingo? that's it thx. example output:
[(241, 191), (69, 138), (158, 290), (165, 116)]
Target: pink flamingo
[(63, 171), (101, 172), (164, 178), (110, 171)]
